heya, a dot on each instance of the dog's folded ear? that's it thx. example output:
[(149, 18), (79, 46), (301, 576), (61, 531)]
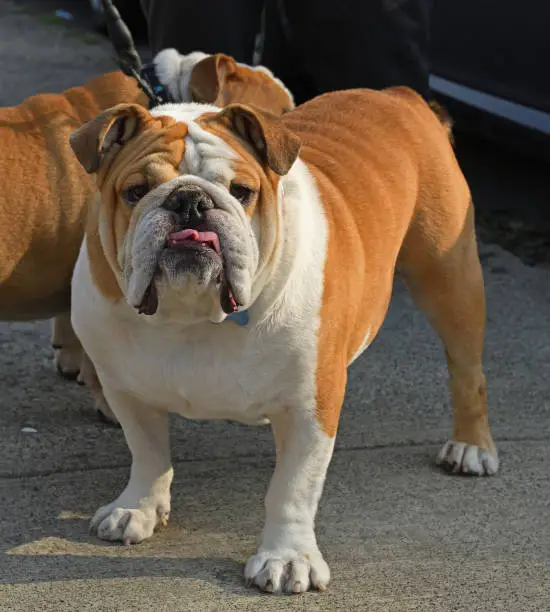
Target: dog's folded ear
[(276, 146), (220, 80), (209, 76), (92, 141)]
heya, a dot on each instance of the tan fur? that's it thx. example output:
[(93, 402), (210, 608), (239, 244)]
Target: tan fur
[(394, 194), (443, 117)]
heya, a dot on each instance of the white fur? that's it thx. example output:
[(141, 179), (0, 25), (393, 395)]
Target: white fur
[(174, 71), (461, 458), (145, 501), (265, 371), (184, 112), (205, 155)]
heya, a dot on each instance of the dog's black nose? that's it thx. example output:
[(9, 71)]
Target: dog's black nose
[(189, 203)]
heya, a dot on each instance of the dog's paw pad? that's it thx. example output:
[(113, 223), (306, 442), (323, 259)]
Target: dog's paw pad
[(467, 459), (287, 571)]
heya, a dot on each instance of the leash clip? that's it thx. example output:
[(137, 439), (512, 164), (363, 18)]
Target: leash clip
[(128, 58)]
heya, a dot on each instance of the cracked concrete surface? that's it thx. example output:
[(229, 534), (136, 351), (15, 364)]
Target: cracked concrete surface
[(398, 534)]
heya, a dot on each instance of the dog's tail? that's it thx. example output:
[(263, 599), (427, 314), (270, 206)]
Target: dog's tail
[(444, 118)]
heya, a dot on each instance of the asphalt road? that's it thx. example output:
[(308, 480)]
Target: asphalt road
[(399, 535)]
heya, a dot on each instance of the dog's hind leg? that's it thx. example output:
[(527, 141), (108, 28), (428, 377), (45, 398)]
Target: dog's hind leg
[(89, 378), (67, 347), (441, 268), (72, 363)]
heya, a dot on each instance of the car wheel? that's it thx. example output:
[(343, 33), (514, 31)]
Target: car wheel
[(130, 11)]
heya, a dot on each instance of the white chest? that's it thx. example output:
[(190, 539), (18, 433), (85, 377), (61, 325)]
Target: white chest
[(207, 371), (214, 371)]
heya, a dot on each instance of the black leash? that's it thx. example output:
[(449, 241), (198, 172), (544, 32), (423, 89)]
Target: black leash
[(128, 57)]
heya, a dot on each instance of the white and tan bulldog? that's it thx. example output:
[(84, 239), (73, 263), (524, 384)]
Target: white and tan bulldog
[(45, 193), (236, 263)]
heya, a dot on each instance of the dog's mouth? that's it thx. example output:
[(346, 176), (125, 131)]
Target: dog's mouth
[(150, 301), (186, 237), (191, 238)]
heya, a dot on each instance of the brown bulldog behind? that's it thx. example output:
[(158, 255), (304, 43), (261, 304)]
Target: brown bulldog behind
[(45, 191), (42, 202)]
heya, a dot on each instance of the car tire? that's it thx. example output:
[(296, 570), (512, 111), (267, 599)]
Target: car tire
[(130, 11)]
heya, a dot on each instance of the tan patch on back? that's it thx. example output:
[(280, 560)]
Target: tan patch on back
[(365, 150)]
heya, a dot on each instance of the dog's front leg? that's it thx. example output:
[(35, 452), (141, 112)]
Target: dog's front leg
[(145, 502), (288, 558)]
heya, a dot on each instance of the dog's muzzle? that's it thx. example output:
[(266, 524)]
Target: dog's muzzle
[(188, 234)]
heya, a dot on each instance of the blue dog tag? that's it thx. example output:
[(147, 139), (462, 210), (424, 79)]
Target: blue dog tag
[(240, 317)]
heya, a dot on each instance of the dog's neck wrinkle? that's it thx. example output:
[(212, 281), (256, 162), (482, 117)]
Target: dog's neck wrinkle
[(103, 276), (290, 256)]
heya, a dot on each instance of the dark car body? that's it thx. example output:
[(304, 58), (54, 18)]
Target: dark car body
[(490, 68)]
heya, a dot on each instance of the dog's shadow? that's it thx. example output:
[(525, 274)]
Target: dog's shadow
[(55, 545), (71, 553)]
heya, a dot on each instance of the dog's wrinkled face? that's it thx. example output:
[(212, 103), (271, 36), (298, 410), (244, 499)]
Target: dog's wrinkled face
[(188, 217)]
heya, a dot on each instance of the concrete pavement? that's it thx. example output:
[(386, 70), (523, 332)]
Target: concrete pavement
[(398, 534)]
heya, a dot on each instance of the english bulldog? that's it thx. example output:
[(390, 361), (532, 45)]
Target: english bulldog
[(45, 192), (236, 263)]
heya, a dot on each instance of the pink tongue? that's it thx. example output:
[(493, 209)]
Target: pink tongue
[(191, 235), (186, 234)]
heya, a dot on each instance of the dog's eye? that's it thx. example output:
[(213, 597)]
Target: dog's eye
[(241, 192), (134, 193)]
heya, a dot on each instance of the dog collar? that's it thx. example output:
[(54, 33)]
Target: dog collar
[(149, 75), (240, 317)]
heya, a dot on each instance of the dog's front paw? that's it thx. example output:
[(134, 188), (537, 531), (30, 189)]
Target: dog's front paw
[(287, 571), (461, 458), (67, 361), (129, 525)]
